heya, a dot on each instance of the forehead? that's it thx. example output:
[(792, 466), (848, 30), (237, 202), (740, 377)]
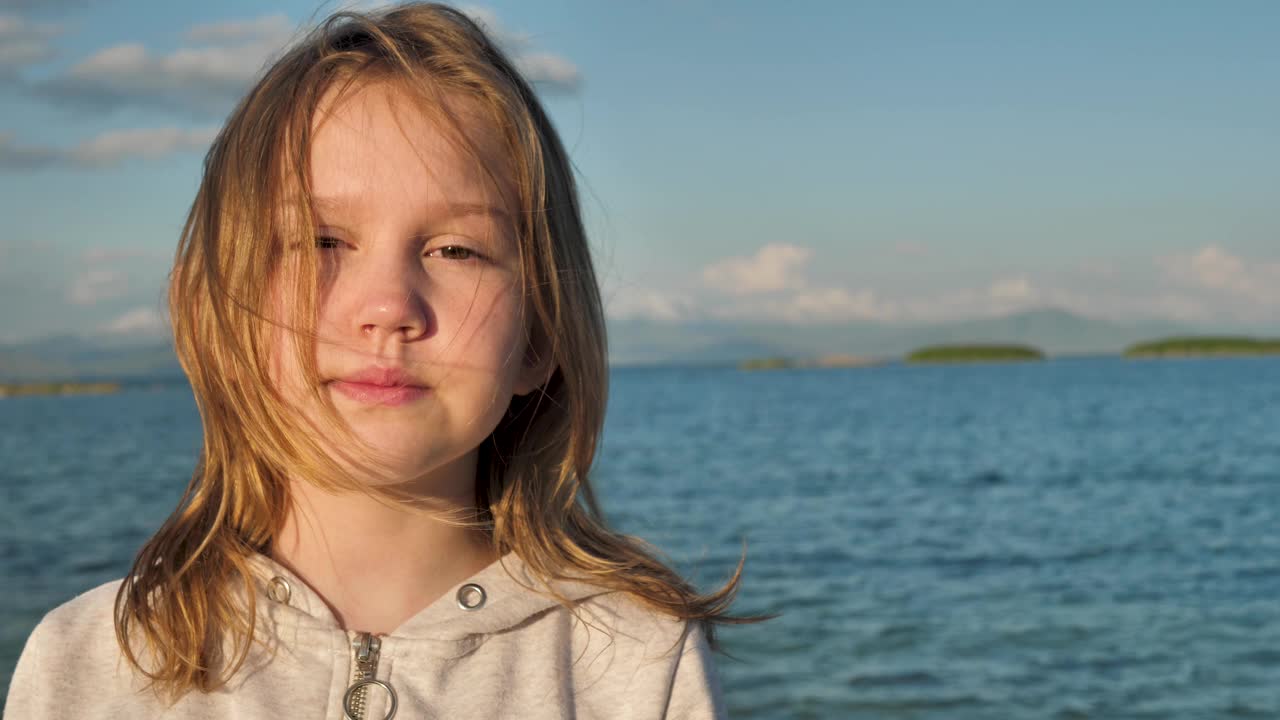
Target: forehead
[(374, 144)]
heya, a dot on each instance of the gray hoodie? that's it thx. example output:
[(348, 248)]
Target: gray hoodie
[(489, 648)]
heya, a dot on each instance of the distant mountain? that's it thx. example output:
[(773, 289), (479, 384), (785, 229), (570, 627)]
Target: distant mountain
[(1055, 331), (648, 342), (77, 358)]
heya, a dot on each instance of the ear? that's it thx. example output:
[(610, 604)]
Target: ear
[(536, 367)]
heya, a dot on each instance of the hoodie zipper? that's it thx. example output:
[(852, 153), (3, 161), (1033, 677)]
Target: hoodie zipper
[(364, 654)]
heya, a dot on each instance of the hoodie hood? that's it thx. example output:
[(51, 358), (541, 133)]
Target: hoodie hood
[(499, 597), (516, 654)]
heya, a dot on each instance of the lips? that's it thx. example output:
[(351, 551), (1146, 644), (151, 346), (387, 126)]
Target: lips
[(381, 386)]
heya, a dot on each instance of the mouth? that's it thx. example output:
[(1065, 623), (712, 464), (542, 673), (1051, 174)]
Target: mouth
[(381, 386)]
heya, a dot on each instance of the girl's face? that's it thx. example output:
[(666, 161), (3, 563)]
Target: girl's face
[(421, 343)]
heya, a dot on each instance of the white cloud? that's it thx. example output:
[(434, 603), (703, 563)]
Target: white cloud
[(106, 273), (1005, 296), (832, 305), (37, 4), (138, 321), (549, 71), (96, 285), (25, 157), (773, 285), (221, 60), (1214, 269), (1168, 305), (23, 42), (365, 6), (488, 20), (204, 78), (546, 70), (634, 302), (1011, 290), (1205, 287), (774, 267), (111, 147), (113, 254), (106, 149), (267, 27)]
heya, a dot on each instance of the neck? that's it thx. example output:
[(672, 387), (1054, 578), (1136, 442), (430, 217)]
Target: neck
[(376, 564)]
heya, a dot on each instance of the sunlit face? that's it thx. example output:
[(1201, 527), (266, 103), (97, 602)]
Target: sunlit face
[(421, 341)]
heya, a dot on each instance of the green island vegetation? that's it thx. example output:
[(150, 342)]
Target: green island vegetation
[(57, 388), (770, 363), (838, 360), (974, 353), (841, 360), (1202, 346)]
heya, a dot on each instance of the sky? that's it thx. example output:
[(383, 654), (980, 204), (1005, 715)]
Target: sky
[(810, 162)]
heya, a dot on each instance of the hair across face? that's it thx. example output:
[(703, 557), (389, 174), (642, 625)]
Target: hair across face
[(319, 250), (421, 337)]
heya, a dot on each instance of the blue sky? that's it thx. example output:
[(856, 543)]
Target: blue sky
[(810, 162)]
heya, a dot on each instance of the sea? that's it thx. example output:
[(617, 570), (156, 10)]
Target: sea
[(1075, 538)]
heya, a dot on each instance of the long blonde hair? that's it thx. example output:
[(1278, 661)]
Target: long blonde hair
[(182, 606)]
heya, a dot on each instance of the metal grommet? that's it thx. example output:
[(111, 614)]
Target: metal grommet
[(278, 589), (354, 713), (471, 597)]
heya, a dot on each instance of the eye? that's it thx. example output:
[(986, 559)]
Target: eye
[(328, 242), (456, 252)]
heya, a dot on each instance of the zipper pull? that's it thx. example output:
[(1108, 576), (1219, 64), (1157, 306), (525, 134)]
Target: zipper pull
[(365, 648)]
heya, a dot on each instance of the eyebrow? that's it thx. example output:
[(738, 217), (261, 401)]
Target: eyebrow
[(449, 210)]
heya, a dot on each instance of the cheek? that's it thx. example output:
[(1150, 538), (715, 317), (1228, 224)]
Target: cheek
[(279, 344), (281, 356), (281, 312), (486, 328), (283, 363)]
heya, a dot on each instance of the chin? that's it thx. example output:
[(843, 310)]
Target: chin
[(405, 456)]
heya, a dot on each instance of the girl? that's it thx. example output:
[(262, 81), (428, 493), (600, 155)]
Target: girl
[(384, 301)]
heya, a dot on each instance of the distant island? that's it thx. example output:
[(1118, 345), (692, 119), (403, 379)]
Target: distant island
[(974, 353), (825, 361), (1203, 346), (696, 341), (58, 388)]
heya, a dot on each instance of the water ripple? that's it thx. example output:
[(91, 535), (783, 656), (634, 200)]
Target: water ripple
[(1073, 539)]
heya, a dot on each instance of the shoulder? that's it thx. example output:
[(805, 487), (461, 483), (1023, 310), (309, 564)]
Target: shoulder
[(81, 618), (78, 631), (71, 653), (654, 664), (628, 621)]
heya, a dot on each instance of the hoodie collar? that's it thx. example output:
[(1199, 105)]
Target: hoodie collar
[(502, 595)]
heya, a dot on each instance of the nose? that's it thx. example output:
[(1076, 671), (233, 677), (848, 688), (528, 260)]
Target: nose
[(386, 314), (387, 303)]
